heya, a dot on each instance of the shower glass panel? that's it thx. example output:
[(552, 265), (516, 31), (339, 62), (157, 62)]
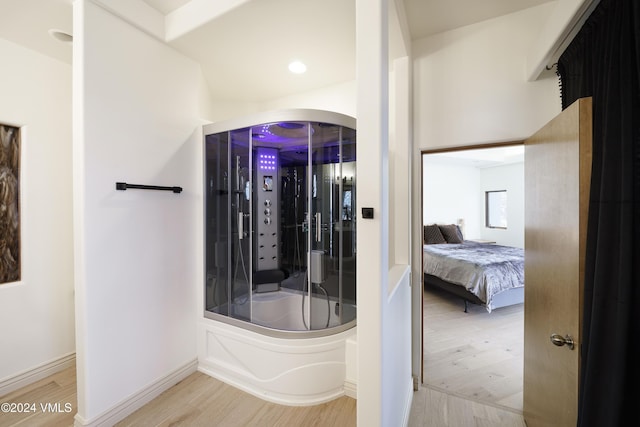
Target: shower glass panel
[(326, 278), (280, 225), (218, 226), (238, 210), (344, 232)]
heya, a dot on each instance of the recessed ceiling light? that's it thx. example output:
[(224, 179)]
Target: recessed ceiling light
[(61, 35), (297, 67)]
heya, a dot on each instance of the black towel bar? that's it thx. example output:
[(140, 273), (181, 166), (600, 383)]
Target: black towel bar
[(124, 186)]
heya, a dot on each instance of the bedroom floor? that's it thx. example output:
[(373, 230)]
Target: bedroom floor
[(475, 355)]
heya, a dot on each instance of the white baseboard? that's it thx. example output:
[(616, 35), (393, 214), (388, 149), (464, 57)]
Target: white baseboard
[(407, 405), (36, 374), (351, 389), (136, 401)]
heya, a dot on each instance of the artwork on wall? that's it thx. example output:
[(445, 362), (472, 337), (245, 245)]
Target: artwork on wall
[(9, 204)]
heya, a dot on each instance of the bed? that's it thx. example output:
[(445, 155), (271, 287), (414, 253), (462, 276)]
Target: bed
[(486, 274)]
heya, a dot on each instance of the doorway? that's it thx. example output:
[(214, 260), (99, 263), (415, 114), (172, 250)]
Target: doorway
[(477, 354)]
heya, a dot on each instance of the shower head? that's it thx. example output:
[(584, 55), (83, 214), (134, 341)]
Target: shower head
[(291, 132), (291, 125)]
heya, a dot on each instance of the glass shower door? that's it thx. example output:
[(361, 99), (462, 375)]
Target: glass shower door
[(217, 225), (325, 168), (347, 226), (239, 214)]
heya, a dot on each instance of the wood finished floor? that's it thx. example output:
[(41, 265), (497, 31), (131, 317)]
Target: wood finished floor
[(432, 408), (57, 388), (458, 347), (475, 355), (200, 400)]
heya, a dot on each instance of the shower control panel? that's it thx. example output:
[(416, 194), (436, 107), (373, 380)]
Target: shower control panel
[(267, 203)]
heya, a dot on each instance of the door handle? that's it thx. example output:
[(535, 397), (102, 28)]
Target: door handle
[(558, 340)]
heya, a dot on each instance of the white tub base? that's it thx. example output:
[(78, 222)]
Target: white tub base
[(287, 371)]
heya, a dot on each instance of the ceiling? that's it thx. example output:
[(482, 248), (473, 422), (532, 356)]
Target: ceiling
[(245, 52)]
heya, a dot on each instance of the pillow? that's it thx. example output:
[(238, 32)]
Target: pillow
[(460, 233), (433, 235), (451, 233)]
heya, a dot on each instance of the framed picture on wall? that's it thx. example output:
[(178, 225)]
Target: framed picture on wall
[(9, 204)]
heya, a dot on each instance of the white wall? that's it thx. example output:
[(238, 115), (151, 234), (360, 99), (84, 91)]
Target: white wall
[(470, 85), (510, 178), (138, 253), (396, 366), (451, 192), (340, 98), (37, 313), (384, 293)]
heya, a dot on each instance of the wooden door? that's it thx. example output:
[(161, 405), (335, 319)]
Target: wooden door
[(557, 174)]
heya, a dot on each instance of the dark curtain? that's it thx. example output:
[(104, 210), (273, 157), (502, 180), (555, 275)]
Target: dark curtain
[(603, 61)]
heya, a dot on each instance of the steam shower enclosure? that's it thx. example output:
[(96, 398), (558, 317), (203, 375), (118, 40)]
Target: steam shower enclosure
[(280, 251)]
